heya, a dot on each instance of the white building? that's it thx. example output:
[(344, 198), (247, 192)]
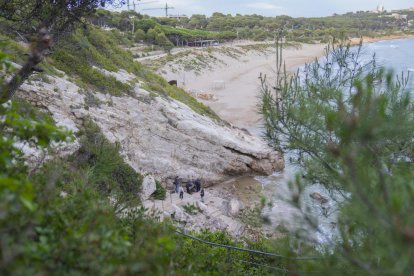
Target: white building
[(380, 9)]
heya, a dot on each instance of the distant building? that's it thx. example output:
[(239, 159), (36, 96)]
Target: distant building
[(398, 16), (203, 43), (380, 9)]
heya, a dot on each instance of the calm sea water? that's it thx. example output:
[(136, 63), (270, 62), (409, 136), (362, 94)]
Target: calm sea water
[(395, 55)]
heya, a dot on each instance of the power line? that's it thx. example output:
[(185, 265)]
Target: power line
[(166, 9), (261, 264), (247, 250)]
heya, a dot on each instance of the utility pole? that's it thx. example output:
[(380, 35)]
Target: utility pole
[(133, 5), (133, 22), (166, 8)]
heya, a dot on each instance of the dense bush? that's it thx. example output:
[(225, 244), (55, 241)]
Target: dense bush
[(160, 192), (14, 50), (84, 49), (352, 126)]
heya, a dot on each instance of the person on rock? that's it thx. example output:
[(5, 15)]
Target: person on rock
[(177, 183), (188, 187), (198, 184), (202, 195), (181, 191)]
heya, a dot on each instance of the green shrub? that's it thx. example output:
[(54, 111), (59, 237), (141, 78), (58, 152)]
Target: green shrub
[(14, 50), (108, 171), (191, 209), (91, 100), (160, 192), (85, 49)]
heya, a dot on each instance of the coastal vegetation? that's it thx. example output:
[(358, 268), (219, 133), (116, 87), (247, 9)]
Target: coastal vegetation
[(351, 124), (80, 214), (252, 27)]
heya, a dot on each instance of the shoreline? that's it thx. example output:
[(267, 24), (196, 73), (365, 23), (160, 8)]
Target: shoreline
[(239, 198), (237, 98), (236, 103), (368, 39)]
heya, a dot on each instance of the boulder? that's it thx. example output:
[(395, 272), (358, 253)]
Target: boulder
[(148, 187), (231, 207), (203, 208), (234, 207), (178, 214)]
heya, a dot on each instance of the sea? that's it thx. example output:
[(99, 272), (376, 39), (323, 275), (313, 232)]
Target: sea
[(312, 220), (395, 54)]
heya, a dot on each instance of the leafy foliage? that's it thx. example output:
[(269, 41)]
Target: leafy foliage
[(61, 221), (160, 192), (352, 126), (14, 51), (86, 48), (260, 28), (60, 15), (95, 47)]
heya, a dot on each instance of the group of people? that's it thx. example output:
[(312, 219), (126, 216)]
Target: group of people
[(191, 187)]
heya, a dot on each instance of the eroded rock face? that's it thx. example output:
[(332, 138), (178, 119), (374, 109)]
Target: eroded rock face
[(148, 187), (158, 135)]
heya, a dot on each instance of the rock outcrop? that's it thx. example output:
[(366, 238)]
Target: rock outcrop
[(148, 187), (208, 215), (158, 135)]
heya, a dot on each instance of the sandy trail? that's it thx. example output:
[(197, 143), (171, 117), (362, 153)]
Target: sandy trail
[(237, 101)]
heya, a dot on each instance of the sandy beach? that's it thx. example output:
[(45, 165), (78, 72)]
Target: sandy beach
[(234, 82)]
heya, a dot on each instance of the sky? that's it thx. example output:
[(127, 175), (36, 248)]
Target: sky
[(294, 8)]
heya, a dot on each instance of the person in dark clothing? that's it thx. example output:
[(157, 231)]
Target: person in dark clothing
[(198, 184), (187, 187), (181, 191), (202, 195), (177, 183)]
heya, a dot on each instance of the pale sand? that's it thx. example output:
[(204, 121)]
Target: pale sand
[(237, 101)]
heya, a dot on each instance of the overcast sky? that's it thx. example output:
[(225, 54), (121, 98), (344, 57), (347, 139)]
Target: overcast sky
[(295, 8)]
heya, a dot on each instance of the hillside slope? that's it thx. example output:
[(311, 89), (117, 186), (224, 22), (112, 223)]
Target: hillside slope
[(161, 129), (157, 135)]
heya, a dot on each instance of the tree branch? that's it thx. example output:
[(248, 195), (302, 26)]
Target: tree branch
[(37, 54)]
